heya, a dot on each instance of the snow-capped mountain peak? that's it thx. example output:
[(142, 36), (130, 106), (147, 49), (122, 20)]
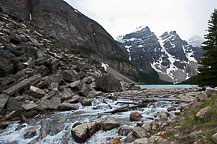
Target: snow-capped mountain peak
[(171, 57), (142, 28), (196, 41)]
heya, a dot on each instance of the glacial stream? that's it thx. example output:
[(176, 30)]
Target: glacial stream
[(58, 125)]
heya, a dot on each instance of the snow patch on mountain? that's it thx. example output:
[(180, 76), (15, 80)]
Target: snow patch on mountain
[(189, 54), (196, 41)]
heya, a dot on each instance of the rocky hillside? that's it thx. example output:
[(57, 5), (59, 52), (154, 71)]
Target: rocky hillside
[(36, 76), (171, 57), (72, 30)]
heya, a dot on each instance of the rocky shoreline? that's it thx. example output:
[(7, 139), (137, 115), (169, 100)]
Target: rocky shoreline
[(125, 113)]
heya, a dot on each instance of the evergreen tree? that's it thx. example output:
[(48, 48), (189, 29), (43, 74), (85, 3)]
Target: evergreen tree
[(208, 64)]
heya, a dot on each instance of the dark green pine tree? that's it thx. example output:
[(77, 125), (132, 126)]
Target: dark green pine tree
[(208, 64)]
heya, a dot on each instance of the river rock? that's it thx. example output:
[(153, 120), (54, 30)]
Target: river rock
[(110, 123), (124, 130), (30, 132), (135, 116), (108, 83), (211, 91), (140, 132), (187, 98), (36, 92), (81, 132), (162, 116), (157, 139), (171, 109), (204, 113), (214, 138), (130, 138), (155, 126), (86, 102), (116, 140), (147, 126), (141, 141), (68, 106)]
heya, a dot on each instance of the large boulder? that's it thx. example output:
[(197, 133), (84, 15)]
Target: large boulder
[(135, 116), (110, 123), (108, 83), (204, 113), (81, 132), (140, 132)]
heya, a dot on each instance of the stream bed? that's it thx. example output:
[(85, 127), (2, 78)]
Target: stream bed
[(59, 124)]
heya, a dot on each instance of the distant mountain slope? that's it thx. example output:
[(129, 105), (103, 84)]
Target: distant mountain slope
[(171, 57), (196, 41)]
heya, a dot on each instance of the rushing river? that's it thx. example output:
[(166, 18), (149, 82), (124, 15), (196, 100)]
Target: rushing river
[(58, 125)]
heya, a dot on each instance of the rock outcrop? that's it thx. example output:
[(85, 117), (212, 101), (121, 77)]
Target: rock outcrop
[(71, 29)]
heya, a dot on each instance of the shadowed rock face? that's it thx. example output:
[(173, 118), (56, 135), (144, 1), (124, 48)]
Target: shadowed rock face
[(70, 28)]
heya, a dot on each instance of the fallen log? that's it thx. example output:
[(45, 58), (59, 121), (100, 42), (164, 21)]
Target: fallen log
[(127, 108)]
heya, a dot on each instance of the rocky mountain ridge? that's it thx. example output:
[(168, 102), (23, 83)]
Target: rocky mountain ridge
[(72, 30), (171, 57)]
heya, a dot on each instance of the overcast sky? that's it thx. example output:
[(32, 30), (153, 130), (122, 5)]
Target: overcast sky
[(187, 17)]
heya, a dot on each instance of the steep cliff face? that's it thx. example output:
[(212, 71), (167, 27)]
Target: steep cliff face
[(171, 57), (69, 27)]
